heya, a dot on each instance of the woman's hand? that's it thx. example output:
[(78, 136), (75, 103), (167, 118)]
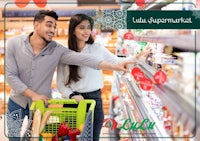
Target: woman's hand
[(77, 97), (144, 53)]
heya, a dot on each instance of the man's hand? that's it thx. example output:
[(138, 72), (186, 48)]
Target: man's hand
[(39, 97), (117, 67), (35, 96), (123, 66)]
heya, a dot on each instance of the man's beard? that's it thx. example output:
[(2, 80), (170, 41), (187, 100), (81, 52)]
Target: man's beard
[(46, 40)]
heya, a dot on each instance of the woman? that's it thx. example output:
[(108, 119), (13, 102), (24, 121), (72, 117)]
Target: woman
[(83, 82)]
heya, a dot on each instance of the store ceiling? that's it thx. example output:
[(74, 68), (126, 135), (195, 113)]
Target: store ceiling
[(64, 7), (83, 2), (52, 4)]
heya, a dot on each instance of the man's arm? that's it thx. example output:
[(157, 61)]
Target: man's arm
[(117, 67), (35, 96), (12, 76), (70, 57), (74, 58)]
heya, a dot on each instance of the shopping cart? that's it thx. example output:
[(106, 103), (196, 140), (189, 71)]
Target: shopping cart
[(71, 112)]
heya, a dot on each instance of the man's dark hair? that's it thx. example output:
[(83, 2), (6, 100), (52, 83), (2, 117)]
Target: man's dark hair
[(42, 13)]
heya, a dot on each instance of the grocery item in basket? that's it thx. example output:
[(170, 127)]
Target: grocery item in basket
[(73, 116), (53, 119), (55, 138), (45, 118), (47, 136), (55, 105), (73, 133), (81, 127), (63, 129), (36, 125)]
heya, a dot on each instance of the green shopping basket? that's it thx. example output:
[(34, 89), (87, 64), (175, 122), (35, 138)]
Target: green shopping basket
[(73, 113)]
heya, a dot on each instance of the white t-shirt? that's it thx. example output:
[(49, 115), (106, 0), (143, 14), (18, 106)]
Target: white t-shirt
[(91, 79)]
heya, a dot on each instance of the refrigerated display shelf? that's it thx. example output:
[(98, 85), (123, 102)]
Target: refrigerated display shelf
[(155, 5), (184, 42), (183, 109), (113, 133), (124, 108), (145, 112), (176, 110), (137, 134), (127, 113)]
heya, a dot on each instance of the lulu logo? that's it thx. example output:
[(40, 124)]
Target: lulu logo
[(128, 124)]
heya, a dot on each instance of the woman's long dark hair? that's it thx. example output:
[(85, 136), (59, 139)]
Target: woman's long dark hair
[(72, 43)]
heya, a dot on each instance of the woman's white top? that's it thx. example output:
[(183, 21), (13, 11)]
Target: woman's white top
[(91, 79)]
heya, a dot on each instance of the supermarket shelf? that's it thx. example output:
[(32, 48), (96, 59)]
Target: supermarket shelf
[(145, 113), (125, 110), (184, 42), (182, 108), (156, 5), (159, 4), (111, 113)]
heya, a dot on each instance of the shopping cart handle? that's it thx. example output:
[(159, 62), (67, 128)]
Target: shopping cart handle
[(33, 106), (62, 101)]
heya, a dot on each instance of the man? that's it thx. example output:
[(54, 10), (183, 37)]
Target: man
[(30, 64)]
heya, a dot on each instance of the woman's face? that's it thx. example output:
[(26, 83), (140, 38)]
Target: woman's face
[(83, 31)]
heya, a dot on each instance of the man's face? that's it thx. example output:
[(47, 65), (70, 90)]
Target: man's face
[(46, 29)]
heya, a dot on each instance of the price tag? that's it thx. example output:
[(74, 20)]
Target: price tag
[(146, 84), (140, 3), (160, 77), (124, 51), (115, 98), (128, 36), (137, 73)]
